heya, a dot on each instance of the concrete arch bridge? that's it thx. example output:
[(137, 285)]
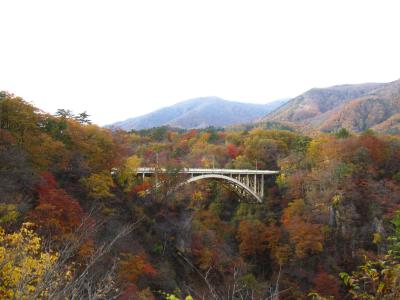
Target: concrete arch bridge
[(247, 184)]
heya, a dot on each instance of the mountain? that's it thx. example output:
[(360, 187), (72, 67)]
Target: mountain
[(368, 111), (391, 125), (200, 113), (355, 107), (317, 101)]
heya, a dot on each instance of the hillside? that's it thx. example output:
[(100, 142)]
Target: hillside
[(391, 125), (355, 107), (367, 111), (200, 113)]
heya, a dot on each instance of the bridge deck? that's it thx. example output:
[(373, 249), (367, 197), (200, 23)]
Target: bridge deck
[(242, 181), (210, 171)]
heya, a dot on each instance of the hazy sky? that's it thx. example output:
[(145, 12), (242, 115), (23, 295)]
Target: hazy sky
[(119, 59)]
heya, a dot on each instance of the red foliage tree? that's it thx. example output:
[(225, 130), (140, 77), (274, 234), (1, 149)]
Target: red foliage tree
[(326, 285), (141, 187), (133, 266), (375, 146), (130, 268), (57, 214), (232, 150)]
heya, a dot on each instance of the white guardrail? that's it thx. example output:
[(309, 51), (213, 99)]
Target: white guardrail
[(145, 170)]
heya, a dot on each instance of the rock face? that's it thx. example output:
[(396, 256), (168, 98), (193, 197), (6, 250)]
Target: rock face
[(354, 107), (201, 113)]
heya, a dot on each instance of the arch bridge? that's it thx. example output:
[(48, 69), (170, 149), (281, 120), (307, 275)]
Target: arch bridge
[(245, 183)]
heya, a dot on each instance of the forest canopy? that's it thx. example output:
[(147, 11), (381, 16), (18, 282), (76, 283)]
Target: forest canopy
[(330, 216)]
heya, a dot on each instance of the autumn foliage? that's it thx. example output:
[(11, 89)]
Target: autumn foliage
[(331, 206), (23, 264), (306, 236), (57, 213), (253, 238)]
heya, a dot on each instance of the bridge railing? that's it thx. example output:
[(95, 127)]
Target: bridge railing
[(147, 170)]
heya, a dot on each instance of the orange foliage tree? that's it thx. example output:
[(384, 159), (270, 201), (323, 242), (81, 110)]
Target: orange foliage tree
[(252, 235), (306, 236)]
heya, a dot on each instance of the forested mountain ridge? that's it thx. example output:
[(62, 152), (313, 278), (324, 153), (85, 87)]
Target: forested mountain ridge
[(354, 107), (68, 189), (319, 100), (366, 111), (391, 125), (200, 113)]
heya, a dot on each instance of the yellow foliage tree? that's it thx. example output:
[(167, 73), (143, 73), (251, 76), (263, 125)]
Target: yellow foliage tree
[(127, 173), (94, 143), (8, 213), (23, 264), (99, 185)]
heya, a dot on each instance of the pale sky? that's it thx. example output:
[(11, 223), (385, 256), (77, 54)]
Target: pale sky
[(120, 59)]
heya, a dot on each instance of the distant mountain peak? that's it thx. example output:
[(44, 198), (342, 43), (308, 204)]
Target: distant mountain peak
[(200, 113)]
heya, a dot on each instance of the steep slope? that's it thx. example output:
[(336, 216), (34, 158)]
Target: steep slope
[(355, 107), (200, 113), (317, 101), (368, 111), (391, 125)]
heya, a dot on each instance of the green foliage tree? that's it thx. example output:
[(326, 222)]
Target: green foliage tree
[(64, 113), (83, 118), (342, 133), (378, 278)]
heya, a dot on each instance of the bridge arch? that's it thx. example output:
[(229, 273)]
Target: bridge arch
[(245, 183), (224, 178)]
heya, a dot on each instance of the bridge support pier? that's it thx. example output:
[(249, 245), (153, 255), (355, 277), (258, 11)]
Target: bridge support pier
[(262, 186)]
